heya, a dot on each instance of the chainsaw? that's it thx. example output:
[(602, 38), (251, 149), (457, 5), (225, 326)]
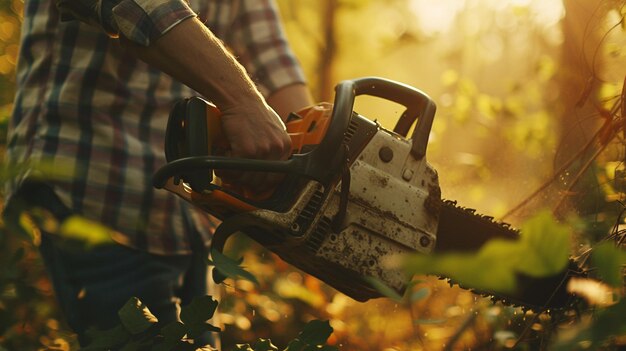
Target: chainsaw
[(353, 193)]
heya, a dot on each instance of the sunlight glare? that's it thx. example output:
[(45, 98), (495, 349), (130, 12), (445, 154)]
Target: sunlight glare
[(548, 12), (437, 16)]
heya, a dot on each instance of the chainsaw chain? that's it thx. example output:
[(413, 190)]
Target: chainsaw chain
[(461, 229)]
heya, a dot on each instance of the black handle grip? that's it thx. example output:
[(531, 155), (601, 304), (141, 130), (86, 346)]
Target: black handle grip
[(417, 104)]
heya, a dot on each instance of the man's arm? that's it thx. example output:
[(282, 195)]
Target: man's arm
[(192, 54), (168, 36), (212, 70)]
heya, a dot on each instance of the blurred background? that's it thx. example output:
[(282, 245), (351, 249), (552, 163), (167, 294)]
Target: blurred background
[(521, 87)]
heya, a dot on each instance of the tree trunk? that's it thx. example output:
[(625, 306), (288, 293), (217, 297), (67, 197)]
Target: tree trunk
[(327, 51), (579, 81)]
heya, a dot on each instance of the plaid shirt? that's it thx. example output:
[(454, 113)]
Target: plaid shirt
[(85, 104)]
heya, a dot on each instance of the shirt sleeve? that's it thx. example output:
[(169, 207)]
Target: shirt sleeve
[(141, 21), (258, 41)]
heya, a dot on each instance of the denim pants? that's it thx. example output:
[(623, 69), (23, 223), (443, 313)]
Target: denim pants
[(92, 285)]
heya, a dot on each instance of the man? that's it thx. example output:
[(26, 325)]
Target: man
[(84, 101)]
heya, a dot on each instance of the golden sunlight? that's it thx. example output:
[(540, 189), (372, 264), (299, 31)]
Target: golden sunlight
[(439, 17)]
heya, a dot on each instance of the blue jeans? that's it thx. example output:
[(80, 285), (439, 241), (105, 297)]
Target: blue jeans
[(92, 285)]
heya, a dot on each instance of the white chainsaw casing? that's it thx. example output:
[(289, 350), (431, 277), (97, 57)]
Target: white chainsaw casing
[(392, 208)]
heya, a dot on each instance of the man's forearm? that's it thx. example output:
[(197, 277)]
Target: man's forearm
[(192, 54)]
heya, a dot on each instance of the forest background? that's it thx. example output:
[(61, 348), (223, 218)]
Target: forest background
[(521, 87)]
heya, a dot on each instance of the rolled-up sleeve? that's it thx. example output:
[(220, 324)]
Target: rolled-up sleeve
[(141, 21), (259, 42)]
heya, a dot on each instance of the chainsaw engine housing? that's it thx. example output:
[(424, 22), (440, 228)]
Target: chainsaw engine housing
[(365, 194), (391, 209)]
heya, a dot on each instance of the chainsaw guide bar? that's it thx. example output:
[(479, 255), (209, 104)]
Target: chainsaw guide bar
[(463, 230)]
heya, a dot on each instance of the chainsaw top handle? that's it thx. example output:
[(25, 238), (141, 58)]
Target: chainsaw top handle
[(321, 163), (417, 104)]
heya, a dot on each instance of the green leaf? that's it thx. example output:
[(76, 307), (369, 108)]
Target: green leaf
[(136, 317), (86, 232), (312, 338), (264, 345), (43, 219), (199, 310), (177, 345), (296, 345), (546, 244), (106, 339), (541, 250), (174, 331), (218, 277), (609, 259), (316, 332), (198, 329), (227, 267), (14, 220), (491, 269), (384, 289), (608, 323), (196, 314)]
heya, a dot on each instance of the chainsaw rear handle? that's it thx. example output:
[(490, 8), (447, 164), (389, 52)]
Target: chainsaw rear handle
[(321, 163)]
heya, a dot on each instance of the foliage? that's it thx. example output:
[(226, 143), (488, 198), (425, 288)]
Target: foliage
[(606, 321), (609, 261), (313, 337), (226, 267), (139, 330), (10, 17), (542, 251), (28, 316), (593, 333)]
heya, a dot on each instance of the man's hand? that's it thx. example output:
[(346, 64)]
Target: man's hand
[(254, 131)]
